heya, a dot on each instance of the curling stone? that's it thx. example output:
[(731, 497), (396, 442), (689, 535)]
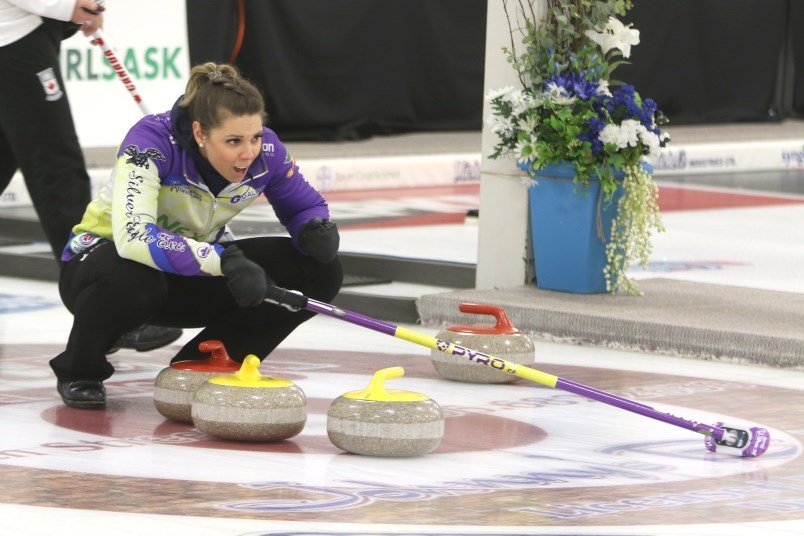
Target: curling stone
[(499, 340), (380, 422), (247, 406), (175, 385)]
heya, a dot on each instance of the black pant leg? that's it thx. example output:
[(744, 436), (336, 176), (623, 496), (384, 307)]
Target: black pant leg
[(36, 119), (108, 296), (252, 330), (8, 162)]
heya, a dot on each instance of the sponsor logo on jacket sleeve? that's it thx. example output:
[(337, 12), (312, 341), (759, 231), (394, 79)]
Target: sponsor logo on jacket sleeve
[(140, 159), (292, 161)]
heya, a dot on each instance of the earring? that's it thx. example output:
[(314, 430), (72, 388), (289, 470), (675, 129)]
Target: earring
[(200, 143)]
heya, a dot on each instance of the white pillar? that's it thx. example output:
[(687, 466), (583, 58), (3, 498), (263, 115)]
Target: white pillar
[(503, 225)]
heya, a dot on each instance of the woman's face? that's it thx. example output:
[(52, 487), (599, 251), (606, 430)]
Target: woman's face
[(232, 146)]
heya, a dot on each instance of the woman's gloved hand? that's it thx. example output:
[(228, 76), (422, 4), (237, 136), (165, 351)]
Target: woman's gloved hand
[(246, 279), (320, 239)]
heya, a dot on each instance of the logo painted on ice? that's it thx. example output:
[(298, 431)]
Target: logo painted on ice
[(10, 303), (357, 494)]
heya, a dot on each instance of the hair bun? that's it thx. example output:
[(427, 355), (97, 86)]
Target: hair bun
[(216, 76)]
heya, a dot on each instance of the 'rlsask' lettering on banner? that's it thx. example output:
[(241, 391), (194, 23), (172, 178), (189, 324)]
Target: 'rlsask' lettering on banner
[(151, 63)]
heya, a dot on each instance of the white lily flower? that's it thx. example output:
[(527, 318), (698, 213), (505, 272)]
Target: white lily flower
[(615, 35)]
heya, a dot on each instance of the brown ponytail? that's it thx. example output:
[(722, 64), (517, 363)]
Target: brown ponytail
[(217, 89)]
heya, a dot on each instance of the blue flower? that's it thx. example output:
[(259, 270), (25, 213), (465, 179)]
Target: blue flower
[(623, 105), (649, 110), (575, 84), (592, 134)]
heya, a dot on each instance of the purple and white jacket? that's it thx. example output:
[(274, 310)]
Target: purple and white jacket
[(158, 211)]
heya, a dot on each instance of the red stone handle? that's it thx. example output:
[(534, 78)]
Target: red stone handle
[(218, 350), (503, 325), (218, 361)]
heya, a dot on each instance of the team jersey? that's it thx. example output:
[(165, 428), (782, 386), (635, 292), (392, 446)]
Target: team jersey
[(157, 210)]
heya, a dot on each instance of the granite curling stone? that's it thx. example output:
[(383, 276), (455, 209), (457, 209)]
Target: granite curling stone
[(176, 385), (380, 422), (246, 406), (501, 339)]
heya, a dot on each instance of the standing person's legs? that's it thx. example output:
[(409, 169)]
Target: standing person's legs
[(36, 119), (37, 134), (8, 162)]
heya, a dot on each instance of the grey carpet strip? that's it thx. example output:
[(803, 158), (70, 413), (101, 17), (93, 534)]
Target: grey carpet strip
[(737, 324)]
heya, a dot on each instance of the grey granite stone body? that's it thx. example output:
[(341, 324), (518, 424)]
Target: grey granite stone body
[(515, 347), (249, 413), (174, 390), (382, 428)]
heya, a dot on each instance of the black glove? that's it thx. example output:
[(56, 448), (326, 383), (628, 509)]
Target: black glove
[(320, 239), (246, 279), (292, 300)]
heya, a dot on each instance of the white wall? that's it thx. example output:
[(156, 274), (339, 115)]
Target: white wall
[(503, 229), (150, 38)]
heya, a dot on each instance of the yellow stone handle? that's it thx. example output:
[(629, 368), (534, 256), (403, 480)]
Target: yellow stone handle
[(376, 388), (249, 376), (377, 383), (249, 370)]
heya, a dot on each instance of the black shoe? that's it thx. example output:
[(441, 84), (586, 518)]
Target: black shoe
[(85, 394), (147, 337)]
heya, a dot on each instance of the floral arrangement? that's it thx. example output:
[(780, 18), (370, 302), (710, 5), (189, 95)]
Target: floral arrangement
[(569, 111)]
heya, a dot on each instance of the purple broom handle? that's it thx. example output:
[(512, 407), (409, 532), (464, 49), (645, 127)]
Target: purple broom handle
[(636, 407), (566, 385), (349, 316)]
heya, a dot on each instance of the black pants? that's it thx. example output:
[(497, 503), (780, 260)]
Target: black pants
[(37, 133), (109, 295)]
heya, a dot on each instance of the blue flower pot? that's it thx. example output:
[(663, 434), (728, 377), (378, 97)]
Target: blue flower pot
[(568, 250)]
